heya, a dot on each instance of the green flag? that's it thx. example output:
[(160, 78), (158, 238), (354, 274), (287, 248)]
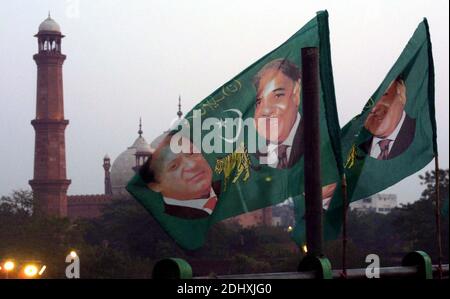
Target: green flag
[(395, 134), (237, 162)]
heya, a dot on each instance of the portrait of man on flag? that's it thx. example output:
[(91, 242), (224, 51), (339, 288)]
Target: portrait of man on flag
[(183, 179), (391, 128), (278, 89), (245, 165)]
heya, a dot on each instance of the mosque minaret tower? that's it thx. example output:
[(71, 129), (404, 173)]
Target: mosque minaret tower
[(49, 182)]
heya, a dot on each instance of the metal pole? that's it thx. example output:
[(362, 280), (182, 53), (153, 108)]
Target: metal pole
[(313, 189), (438, 214), (344, 226)]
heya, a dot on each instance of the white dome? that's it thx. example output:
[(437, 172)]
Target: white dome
[(122, 169), (155, 143), (143, 148), (49, 25)]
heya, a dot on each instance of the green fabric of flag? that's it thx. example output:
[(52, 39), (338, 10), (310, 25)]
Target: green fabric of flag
[(244, 180), (395, 134)]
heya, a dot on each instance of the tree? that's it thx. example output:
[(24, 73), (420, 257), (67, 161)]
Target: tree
[(19, 204), (26, 236), (429, 180), (241, 264), (429, 194), (407, 228)]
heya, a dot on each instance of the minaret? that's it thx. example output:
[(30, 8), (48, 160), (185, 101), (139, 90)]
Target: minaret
[(179, 113), (49, 183), (107, 167), (142, 149), (267, 216)]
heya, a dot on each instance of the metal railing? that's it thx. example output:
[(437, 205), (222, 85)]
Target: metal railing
[(386, 272), (416, 264)]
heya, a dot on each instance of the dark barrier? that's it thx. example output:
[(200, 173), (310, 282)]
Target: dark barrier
[(415, 265)]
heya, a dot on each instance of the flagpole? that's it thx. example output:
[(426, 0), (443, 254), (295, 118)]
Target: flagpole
[(344, 226), (313, 189), (438, 214)]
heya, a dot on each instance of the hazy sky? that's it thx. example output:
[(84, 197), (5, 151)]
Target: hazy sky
[(127, 59)]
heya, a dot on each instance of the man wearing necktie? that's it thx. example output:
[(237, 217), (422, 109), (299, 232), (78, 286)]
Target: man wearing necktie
[(278, 89), (184, 180), (391, 128)]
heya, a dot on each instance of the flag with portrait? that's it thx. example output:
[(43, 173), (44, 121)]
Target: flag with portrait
[(241, 148), (395, 134)]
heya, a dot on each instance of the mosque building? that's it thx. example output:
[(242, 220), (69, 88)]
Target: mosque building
[(50, 182)]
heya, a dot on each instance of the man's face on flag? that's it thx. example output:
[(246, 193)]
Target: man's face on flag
[(277, 96), (387, 112), (182, 176)]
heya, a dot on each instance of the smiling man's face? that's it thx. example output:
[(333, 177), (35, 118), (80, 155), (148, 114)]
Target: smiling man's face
[(277, 96), (182, 176), (387, 112)]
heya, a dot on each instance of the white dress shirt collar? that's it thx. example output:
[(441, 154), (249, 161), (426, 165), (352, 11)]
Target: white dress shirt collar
[(191, 203), (272, 153), (375, 149)]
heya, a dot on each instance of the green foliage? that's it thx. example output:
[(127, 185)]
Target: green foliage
[(407, 228), (127, 227), (126, 241), (25, 236), (355, 254), (429, 180), (245, 264), (105, 262), (29, 237), (19, 203)]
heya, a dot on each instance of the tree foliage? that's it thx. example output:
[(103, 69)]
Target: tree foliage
[(126, 241), (407, 228)]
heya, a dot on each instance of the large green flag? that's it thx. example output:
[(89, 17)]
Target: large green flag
[(237, 162), (395, 134)]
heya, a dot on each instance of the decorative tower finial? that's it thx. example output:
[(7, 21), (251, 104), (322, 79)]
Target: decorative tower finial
[(107, 167), (49, 15), (140, 127), (179, 113)]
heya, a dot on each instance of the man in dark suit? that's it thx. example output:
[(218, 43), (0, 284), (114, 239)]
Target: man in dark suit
[(184, 180), (200, 208), (278, 89), (391, 128)]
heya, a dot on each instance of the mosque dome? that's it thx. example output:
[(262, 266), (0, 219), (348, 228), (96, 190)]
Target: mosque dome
[(154, 144), (143, 147), (122, 169), (49, 25)]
